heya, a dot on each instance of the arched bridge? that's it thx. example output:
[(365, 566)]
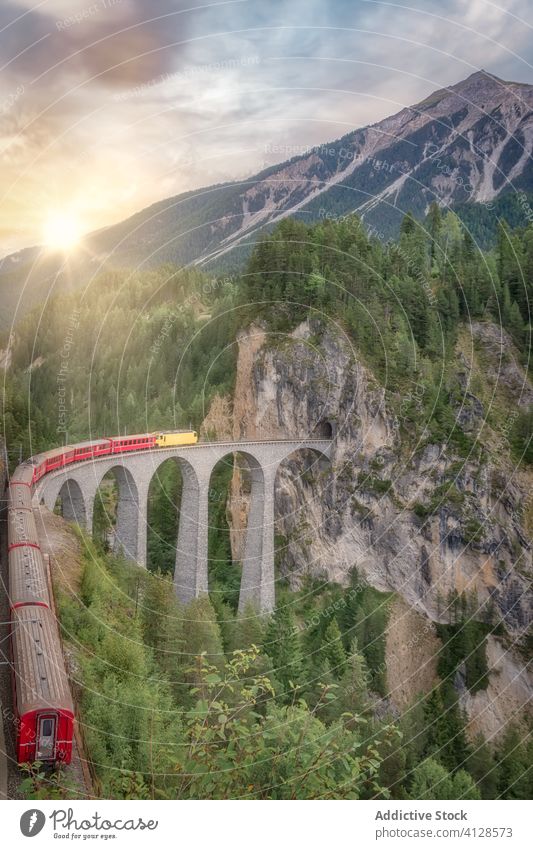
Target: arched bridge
[(78, 484)]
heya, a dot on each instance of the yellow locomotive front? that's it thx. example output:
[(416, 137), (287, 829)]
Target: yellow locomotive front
[(168, 439)]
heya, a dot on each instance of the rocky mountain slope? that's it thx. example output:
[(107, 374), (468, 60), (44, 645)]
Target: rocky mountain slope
[(469, 143), (416, 519)]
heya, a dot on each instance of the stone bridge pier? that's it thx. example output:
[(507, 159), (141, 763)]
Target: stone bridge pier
[(78, 484)]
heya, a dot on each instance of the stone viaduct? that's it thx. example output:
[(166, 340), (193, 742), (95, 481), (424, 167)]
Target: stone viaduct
[(77, 486)]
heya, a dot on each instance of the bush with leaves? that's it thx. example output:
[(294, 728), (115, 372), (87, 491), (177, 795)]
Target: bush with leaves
[(234, 751)]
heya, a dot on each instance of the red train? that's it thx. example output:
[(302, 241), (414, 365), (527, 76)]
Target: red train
[(41, 692), (44, 705)]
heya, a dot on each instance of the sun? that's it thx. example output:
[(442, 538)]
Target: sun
[(62, 232)]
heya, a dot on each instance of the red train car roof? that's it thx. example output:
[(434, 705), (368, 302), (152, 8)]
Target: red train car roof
[(22, 529), (40, 677), (27, 577), (23, 473), (19, 496), (133, 436), (90, 443)]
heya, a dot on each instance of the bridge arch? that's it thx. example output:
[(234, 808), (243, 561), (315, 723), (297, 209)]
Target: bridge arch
[(128, 510), (133, 474), (250, 486), (318, 453), (190, 575), (71, 501)]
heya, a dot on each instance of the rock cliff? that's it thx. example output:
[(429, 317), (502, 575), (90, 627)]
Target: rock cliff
[(411, 516)]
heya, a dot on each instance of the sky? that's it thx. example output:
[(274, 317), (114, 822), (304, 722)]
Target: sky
[(107, 106)]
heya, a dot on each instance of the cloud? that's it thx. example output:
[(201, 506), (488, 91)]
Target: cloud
[(118, 42), (122, 102)]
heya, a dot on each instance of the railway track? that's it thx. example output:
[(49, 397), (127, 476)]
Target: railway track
[(9, 774)]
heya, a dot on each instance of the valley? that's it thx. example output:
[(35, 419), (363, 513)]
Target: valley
[(401, 628)]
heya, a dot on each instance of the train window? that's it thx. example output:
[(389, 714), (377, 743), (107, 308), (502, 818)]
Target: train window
[(46, 740)]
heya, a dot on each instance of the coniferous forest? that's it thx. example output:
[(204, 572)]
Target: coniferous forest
[(295, 705)]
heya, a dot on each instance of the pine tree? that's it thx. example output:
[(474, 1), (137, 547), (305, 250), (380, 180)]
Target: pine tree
[(512, 756), (282, 644), (333, 649), (201, 632), (434, 226), (415, 731), (249, 630), (354, 682), (515, 324), (483, 769), (393, 767), (226, 620), (431, 781), (446, 735), (463, 786)]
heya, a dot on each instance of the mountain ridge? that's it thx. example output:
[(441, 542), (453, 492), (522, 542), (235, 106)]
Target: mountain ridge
[(470, 142)]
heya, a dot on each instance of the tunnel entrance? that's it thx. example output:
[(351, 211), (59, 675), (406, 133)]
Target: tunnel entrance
[(324, 430)]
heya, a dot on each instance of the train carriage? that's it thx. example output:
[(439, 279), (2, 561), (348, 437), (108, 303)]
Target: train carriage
[(23, 474), (19, 497), (91, 448), (68, 455), (133, 442), (52, 460), (22, 529), (43, 463), (28, 582), (41, 689), (39, 469), (45, 712)]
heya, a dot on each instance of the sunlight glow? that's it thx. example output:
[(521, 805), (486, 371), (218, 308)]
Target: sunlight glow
[(62, 232)]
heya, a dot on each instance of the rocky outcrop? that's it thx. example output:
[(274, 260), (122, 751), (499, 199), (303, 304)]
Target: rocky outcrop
[(218, 422), (411, 654), (507, 698), (423, 523), (414, 518)]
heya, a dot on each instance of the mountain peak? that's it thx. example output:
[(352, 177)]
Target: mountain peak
[(480, 75), (480, 89), (482, 78)]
